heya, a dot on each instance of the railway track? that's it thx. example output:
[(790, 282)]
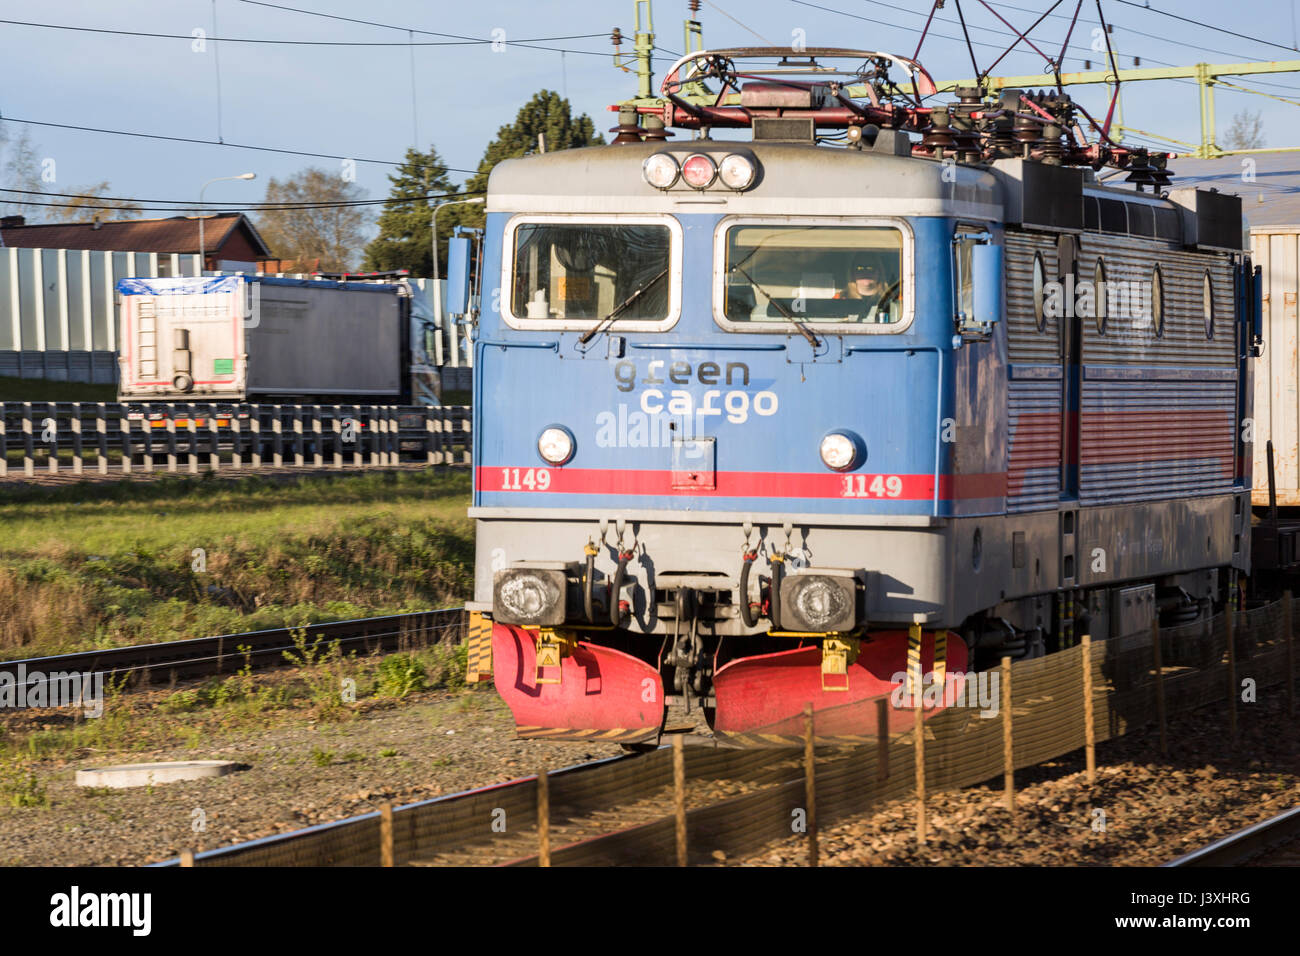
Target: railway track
[(148, 664), (1273, 842)]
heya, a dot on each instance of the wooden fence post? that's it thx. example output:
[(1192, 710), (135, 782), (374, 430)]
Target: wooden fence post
[(920, 774), (1160, 686), (882, 739), (1008, 748), (1089, 731), (386, 835), (1229, 616), (1289, 624), (543, 818), (810, 782), (679, 797)]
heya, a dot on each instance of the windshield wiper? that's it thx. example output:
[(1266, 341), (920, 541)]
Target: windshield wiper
[(803, 329), (619, 309)]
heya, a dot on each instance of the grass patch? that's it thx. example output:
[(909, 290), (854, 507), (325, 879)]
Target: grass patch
[(20, 787), (400, 674), (132, 562)]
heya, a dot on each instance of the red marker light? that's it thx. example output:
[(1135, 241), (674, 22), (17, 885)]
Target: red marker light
[(699, 171)]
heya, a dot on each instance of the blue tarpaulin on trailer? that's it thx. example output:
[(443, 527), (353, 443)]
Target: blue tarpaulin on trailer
[(179, 286), (211, 284)]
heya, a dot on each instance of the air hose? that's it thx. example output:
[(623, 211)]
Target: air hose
[(746, 612), (615, 611), (778, 571), (588, 583)]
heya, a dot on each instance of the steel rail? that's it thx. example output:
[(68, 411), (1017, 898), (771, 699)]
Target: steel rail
[(227, 653), (1244, 845)]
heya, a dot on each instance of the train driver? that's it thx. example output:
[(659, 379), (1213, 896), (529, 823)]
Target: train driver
[(866, 281)]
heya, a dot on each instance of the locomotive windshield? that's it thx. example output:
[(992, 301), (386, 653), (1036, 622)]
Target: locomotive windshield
[(587, 270), (818, 273)]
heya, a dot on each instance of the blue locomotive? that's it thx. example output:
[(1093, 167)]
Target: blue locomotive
[(882, 392)]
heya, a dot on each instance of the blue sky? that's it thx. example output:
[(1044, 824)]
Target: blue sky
[(357, 101)]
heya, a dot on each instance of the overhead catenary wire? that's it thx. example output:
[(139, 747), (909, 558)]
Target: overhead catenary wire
[(1208, 26), (743, 26), (393, 26), (213, 142), (1085, 52), (131, 205), (189, 38), (941, 36)]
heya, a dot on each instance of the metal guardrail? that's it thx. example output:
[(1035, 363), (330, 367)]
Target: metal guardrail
[(101, 437)]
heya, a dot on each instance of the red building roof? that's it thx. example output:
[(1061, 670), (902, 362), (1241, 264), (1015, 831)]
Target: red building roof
[(225, 236)]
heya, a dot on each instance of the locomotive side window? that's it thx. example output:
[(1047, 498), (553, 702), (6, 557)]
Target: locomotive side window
[(568, 272), (1207, 303), (1099, 294), (1157, 302), (776, 273), (1040, 283)]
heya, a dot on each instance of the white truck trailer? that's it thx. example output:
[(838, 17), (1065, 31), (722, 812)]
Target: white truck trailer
[(249, 338)]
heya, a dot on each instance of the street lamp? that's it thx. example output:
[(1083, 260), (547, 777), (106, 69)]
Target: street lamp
[(219, 179), (437, 279)]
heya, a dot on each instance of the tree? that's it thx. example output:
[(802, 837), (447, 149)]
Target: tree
[(91, 203), (20, 169), (23, 170), (331, 234), (405, 239), (548, 114), (1246, 131)]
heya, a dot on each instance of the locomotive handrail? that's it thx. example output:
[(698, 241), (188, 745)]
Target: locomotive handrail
[(522, 344), (713, 347)]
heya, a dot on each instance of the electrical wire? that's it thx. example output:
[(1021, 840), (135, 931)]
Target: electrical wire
[(126, 206), (213, 142), (1207, 26), (181, 203), (464, 41)]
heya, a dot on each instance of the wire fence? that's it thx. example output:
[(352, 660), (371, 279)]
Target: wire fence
[(1045, 708), (77, 438)]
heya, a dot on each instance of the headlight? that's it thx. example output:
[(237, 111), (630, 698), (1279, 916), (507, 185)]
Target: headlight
[(819, 602), (736, 172), (555, 445), (839, 451), (529, 596), (660, 170), (699, 171)]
